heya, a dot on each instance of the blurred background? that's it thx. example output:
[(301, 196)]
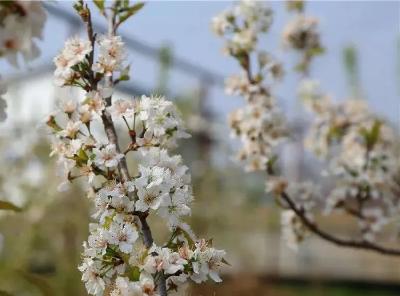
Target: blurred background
[(173, 52)]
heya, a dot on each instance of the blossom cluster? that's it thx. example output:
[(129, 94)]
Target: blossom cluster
[(260, 124), (241, 25), (161, 186), (361, 151), (301, 34), (359, 148), (75, 65), (120, 257)]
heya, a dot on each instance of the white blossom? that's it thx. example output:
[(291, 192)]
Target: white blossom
[(164, 260), (107, 156), (91, 271), (71, 129), (207, 262), (153, 186), (111, 56), (74, 52), (124, 287), (302, 34), (122, 108)]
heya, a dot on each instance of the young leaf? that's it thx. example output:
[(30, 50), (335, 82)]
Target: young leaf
[(187, 236), (371, 136), (82, 155), (374, 134), (134, 274), (99, 4), (125, 74), (130, 11), (5, 205)]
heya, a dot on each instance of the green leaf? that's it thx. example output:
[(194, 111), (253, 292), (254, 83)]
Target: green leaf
[(295, 6), (82, 155), (5, 205), (371, 136), (125, 3), (130, 11), (125, 74), (51, 122), (107, 222), (134, 274), (4, 293), (111, 252), (271, 164), (300, 67), (316, 51), (187, 236), (99, 4), (78, 6), (375, 131), (334, 133)]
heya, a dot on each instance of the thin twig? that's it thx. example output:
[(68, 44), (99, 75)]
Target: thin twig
[(356, 244)]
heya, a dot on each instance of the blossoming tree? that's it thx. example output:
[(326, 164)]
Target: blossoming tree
[(120, 256), (359, 148)]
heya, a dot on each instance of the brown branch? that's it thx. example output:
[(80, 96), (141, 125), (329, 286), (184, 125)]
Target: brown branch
[(356, 244)]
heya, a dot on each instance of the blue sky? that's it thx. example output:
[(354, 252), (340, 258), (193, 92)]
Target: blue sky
[(372, 26)]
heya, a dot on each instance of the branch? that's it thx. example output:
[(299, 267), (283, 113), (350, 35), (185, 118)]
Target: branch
[(356, 244), (122, 165)]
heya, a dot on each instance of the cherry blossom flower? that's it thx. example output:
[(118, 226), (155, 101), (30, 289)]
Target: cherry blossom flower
[(107, 156), (112, 55)]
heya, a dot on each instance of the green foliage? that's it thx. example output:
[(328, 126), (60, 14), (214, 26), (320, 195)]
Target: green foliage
[(350, 61), (371, 136), (127, 12), (165, 59), (134, 273), (316, 51), (99, 4), (295, 5), (125, 74), (82, 10)]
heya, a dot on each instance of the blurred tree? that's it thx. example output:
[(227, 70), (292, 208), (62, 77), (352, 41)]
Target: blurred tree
[(165, 62), (351, 65)]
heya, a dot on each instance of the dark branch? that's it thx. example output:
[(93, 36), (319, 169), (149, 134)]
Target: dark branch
[(356, 244)]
